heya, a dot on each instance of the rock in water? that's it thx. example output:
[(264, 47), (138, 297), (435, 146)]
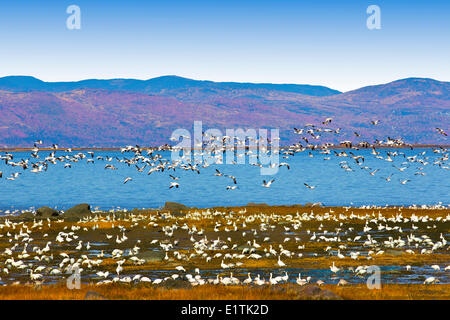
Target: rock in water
[(252, 204), (307, 292), (174, 207), (315, 204), (46, 212), (79, 211), (27, 216), (151, 256), (92, 295), (313, 292)]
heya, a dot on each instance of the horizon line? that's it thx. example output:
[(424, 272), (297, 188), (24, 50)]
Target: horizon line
[(218, 81)]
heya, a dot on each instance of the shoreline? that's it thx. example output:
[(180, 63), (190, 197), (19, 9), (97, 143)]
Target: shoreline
[(99, 210), (415, 146)]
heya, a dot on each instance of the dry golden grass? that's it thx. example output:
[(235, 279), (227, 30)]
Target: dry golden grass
[(141, 292), (210, 292), (393, 292)]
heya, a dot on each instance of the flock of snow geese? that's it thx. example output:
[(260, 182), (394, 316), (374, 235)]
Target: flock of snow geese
[(225, 247), (34, 255), (213, 149)]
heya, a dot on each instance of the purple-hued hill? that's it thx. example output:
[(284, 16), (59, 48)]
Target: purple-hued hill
[(118, 112)]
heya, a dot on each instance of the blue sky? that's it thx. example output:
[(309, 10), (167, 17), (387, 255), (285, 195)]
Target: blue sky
[(306, 42)]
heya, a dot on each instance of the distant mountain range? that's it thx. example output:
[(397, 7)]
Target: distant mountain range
[(126, 111), (159, 85)]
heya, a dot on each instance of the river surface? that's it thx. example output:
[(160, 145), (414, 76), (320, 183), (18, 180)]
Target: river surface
[(62, 188)]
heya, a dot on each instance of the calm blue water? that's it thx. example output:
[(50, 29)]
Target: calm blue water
[(91, 183)]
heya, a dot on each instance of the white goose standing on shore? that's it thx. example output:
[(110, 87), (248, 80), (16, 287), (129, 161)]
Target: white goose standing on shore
[(280, 263), (334, 269)]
